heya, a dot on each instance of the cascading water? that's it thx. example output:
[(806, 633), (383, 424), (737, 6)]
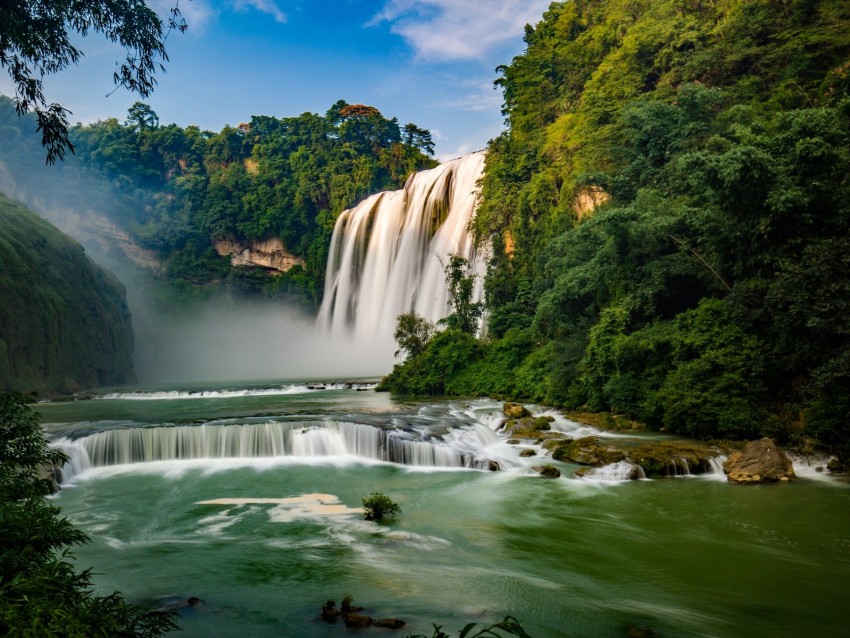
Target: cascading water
[(387, 253), (463, 447)]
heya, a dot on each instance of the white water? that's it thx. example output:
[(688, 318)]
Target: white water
[(226, 394), (460, 448), (387, 253)]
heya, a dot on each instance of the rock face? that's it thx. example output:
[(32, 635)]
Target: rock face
[(269, 254), (759, 462)]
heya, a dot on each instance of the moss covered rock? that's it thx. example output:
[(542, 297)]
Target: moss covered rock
[(587, 451)]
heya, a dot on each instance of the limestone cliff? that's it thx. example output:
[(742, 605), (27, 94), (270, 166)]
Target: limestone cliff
[(269, 254)]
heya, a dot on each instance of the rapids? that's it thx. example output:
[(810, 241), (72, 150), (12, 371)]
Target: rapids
[(190, 497)]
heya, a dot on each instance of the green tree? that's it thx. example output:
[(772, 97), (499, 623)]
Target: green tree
[(40, 592), (36, 40), (465, 312), (412, 333), (141, 116)]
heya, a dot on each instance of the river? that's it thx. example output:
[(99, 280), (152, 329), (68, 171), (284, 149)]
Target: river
[(247, 496)]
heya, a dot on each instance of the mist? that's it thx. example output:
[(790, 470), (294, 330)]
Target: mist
[(226, 338)]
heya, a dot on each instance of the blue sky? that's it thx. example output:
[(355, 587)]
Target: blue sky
[(431, 62)]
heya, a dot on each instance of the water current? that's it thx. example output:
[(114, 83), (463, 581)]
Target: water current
[(248, 496)]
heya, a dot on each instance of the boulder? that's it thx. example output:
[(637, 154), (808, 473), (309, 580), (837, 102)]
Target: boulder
[(515, 410), (759, 462), (528, 452), (547, 471), (587, 451), (357, 621), (389, 623)]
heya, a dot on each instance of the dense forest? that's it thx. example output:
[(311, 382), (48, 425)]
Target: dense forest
[(64, 322), (669, 210), (178, 190)]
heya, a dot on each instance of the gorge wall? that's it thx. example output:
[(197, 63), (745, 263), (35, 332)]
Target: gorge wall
[(64, 322)]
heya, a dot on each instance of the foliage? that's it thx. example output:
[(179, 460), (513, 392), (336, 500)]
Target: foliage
[(412, 333), (377, 506), (40, 593), (509, 625), (669, 212), (438, 369), (177, 191), (37, 39), (465, 313), (64, 321)]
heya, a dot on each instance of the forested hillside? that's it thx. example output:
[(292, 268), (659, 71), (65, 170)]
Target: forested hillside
[(670, 213), (177, 190), (64, 323)]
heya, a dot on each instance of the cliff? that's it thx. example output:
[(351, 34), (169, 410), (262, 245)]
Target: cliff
[(64, 322)]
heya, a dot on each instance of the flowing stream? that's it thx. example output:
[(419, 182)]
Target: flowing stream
[(248, 496)]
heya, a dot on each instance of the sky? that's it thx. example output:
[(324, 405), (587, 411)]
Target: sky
[(430, 62)]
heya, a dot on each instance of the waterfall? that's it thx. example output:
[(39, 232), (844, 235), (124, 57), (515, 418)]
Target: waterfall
[(464, 448), (387, 253)]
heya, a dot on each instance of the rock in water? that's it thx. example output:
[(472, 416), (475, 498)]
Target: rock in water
[(547, 471), (515, 411), (759, 462)]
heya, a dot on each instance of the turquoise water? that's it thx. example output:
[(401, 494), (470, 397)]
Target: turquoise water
[(690, 556)]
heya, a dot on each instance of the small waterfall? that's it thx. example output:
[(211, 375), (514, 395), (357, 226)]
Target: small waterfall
[(387, 253), (462, 447)]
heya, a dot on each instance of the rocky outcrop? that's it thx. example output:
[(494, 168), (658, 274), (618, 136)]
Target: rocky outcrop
[(587, 199), (515, 411), (587, 451), (759, 462), (656, 459), (269, 254)]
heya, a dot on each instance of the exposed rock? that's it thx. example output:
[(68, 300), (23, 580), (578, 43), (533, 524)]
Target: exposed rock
[(357, 621), (535, 428), (493, 466), (528, 452), (587, 198), (515, 411), (330, 612), (587, 451), (389, 623), (759, 462), (669, 458), (269, 253), (547, 471)]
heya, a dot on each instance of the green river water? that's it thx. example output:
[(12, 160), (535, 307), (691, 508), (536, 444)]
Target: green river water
[(689, 556)]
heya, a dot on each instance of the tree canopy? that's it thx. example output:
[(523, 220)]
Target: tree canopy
[(36, 40), (668, 212)]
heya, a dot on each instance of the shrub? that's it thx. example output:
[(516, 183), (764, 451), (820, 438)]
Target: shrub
[(378, 505)]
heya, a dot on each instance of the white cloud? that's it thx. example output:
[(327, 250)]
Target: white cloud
[(200, 13), (440, 30), (263, 6), (475, 95)]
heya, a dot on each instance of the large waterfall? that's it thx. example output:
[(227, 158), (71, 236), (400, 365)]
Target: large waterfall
[(388, 253)]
